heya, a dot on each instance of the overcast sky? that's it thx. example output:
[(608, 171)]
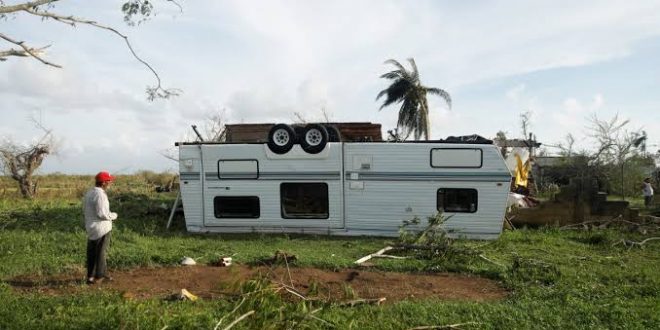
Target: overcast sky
[(261, 61)]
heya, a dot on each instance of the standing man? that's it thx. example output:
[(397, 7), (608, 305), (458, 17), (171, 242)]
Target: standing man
[(98, 223), (647, 191)]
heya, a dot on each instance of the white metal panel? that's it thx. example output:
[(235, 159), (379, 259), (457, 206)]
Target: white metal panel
[(453, 157), (190, 171)]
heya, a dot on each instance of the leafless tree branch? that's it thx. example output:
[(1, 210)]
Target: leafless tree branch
[(27, 51), (154, 92), (24, 6), (35, 8)]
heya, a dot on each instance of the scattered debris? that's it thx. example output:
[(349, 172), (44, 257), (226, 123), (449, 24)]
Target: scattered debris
[(351, 276), (646, 225), (356, 302), (183, 295), (222, 262), (280, 257), (187, 261), (443, 327)]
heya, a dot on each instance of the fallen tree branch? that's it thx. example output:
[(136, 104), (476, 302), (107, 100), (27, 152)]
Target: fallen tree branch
[(367, 257), (294, 292), (601, 224), (631, 244), (239, 320), (232, 312), (356, 302), (417, 247), (312, 316), (388, 256), (491, 261), (448, 326), (585, 223)]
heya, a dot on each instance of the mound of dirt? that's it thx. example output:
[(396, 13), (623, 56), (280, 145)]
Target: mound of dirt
[(216, 282)]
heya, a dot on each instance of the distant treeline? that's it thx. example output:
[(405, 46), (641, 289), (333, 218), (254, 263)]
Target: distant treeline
[(74, 185)]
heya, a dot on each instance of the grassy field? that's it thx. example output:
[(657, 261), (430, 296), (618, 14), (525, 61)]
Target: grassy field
[(557, 279)]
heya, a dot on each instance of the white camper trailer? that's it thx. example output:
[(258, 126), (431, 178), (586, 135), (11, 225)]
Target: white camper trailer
[(341, 188)]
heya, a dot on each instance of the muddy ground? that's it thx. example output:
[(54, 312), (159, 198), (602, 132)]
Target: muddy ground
[(210, 282)]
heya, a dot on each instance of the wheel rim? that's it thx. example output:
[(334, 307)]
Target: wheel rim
[(313, 137), (281, 137)]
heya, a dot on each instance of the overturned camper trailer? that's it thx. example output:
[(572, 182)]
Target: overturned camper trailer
[(341, 188)]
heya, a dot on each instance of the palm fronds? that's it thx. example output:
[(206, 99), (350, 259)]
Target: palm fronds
[(407, 89)]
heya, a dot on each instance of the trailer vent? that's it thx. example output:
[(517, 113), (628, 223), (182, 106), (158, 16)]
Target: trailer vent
[(239, 169), (456, 157)]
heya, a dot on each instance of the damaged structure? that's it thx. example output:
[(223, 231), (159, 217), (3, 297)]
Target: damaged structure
[(340, 180)]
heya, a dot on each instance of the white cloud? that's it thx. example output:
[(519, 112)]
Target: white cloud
[(514, 93), (264, 60)]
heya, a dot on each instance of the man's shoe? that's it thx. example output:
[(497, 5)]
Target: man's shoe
[(91, 280), (104, 279)]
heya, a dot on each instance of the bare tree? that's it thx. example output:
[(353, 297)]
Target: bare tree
[(615, 143), (139, 10), (299, 118), (20, 162), (525, 122), (501, 136), (567, 147), (214, 130), (214, 127)]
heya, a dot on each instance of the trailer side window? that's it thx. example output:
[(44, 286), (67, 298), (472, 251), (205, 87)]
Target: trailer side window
[(304, 200), (457, 200), (236, 207)]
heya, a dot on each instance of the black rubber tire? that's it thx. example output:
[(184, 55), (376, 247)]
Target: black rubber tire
[(281, 138), (314, 138), (333, 133)]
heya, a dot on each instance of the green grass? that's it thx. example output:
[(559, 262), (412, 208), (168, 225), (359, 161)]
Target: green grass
[(558, 279)]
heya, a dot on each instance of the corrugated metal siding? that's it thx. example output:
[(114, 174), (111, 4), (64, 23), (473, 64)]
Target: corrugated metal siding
[(416, 157), (389, 198), (397, 183)]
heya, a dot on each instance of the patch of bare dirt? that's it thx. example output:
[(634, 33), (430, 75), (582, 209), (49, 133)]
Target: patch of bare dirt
[(217, 282)]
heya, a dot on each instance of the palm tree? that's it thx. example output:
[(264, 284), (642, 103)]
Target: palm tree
[(409, 91)]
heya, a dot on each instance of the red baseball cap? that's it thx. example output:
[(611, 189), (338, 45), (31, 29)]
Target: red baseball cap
[(104, 176)]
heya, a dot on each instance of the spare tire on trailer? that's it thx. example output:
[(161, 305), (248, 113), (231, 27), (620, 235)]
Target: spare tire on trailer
[(314, 138), (333, 133), (281, 138)]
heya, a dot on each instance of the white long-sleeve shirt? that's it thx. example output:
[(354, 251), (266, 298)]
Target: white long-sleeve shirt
[(647, 190), (96, 209)]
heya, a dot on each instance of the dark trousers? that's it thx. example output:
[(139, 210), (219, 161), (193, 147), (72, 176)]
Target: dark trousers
[(648, 200), (96, 254)]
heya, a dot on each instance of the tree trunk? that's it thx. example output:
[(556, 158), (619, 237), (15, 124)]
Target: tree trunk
[(27, 187)]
